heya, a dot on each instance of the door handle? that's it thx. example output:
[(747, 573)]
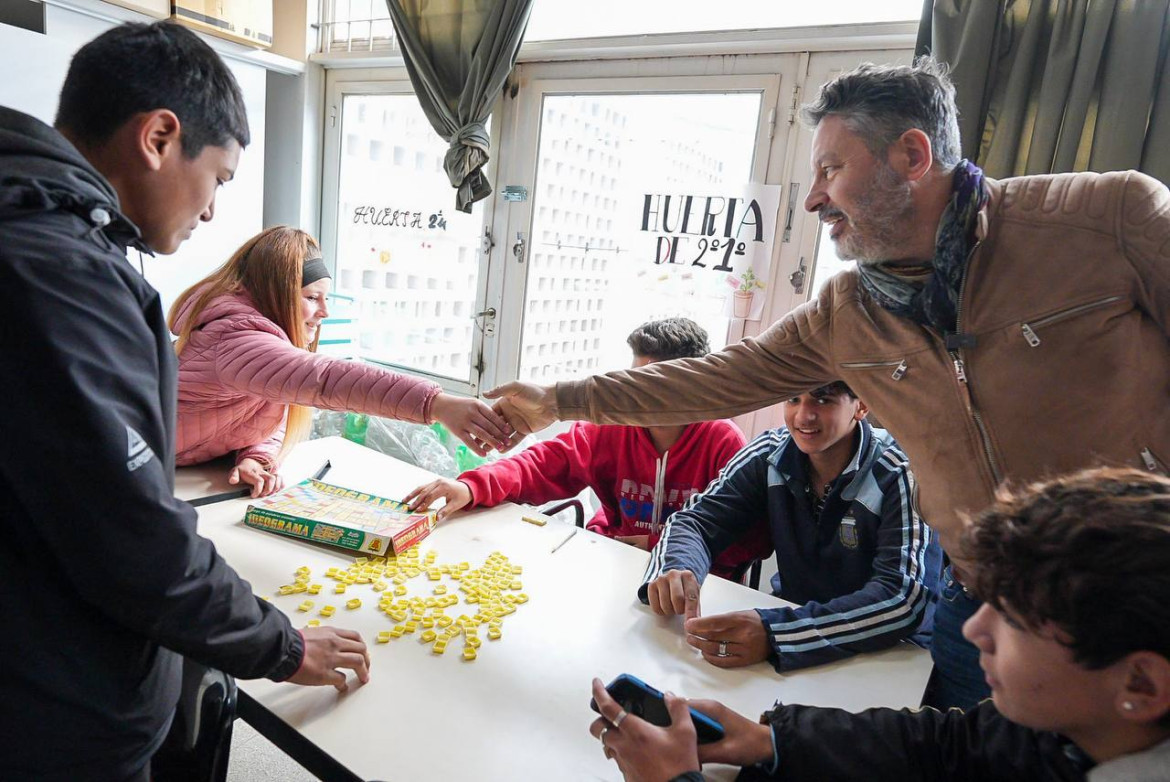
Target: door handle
[(796, 279), (489, 327)]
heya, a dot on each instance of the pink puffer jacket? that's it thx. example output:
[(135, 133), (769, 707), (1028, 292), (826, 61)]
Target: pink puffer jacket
[(238, 372)]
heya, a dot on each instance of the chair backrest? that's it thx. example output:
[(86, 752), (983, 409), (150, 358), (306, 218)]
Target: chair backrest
[(754, 574), (575, 504), (198, 745)]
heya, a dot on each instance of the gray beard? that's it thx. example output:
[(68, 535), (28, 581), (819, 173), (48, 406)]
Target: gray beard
[(887, 215)]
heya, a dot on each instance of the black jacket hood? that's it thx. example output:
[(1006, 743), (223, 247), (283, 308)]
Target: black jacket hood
[(41, 171)]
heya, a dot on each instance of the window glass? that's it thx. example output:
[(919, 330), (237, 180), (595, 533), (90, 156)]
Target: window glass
[(827, 263), (406, 257), (355, 25), (583, 296), (557, 20)]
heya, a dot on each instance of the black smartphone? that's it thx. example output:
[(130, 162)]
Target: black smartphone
[(640, 699)]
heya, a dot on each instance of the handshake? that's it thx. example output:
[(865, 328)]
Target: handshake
[(519, 409)]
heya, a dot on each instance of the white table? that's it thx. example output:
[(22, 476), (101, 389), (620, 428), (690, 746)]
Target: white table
[(520, 711)]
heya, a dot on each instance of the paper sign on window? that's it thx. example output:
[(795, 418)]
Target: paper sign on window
[(718, 239)]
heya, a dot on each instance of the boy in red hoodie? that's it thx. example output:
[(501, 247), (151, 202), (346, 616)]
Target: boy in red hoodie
[(621, 464)]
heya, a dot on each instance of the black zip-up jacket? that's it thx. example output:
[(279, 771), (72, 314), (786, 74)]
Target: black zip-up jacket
[(884, 745), (103, 579)]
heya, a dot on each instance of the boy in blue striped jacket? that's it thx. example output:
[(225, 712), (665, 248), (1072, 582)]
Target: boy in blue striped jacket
[(851, 553)]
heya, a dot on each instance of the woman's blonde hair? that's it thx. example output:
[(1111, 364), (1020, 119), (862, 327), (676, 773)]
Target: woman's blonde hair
[(268, 267)]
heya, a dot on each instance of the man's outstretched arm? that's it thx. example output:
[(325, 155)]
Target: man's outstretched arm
[(790, 358)]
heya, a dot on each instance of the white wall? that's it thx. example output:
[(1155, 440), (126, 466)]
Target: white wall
[(32, 67), (292, 157)]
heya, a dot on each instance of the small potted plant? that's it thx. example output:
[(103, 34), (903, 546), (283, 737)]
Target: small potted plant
[(744, 288)]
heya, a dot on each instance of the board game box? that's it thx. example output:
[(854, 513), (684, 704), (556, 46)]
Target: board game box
[(337, 516)]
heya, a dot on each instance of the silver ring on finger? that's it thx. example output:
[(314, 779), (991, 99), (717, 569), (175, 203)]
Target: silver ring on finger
[(617, 721), (601, 738), (722, 650)]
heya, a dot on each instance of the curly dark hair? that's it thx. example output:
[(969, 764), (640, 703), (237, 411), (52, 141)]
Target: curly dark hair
[(669, 338), (1088, 552)]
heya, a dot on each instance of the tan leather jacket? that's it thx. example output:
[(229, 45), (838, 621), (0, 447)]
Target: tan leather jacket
[(1068, 297)]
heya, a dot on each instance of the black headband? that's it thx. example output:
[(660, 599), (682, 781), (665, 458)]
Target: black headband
[(314, 270)]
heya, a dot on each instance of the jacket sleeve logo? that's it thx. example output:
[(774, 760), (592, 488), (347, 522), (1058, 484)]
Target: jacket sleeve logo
[(137, 451)]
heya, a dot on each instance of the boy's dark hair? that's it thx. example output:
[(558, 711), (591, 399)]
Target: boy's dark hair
[(836, 388), (662, 340), (881, 102), (137, 67), (1089, 552)]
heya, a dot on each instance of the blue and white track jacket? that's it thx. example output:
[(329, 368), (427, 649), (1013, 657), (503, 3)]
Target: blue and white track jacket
[(863, 576)]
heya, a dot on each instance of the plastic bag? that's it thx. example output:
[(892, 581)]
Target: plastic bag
[(412, 443), (432, 447)]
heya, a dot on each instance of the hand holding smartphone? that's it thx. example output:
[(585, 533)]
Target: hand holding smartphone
[(640, 699)]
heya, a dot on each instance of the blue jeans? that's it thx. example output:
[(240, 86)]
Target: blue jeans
[(957, 680)]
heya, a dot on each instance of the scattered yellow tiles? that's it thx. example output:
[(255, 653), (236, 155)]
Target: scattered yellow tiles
[(493, 589)]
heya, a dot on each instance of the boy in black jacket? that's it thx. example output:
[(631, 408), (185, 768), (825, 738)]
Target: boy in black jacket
[(1074, 639), (104, 582)]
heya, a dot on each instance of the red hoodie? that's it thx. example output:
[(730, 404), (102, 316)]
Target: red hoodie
[(618, 463)]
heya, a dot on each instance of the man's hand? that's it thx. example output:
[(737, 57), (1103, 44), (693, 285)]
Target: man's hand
[(456, 493), (637, 541), (675, 592), (744, 742), (645, 752), (473, 422), (528, 407), (326, 650), (262, 480), (729, 640)]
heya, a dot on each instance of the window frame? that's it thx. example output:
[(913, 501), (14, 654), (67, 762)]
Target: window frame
[(338, 85), (522, 117)]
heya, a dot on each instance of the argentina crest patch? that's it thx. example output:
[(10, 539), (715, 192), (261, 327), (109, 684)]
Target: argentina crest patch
[(847, 532)]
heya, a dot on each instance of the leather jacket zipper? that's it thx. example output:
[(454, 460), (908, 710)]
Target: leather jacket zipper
[(1153, 463), (900, 366), (1029, 329), (964, 380)]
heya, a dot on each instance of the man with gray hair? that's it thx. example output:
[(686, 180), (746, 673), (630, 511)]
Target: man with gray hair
[(984, 320)]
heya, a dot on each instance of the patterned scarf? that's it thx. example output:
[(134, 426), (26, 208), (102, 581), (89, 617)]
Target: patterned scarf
[(934, 302)]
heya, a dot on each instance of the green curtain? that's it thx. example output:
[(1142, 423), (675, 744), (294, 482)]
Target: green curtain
[(458, 54), (1048, 86)]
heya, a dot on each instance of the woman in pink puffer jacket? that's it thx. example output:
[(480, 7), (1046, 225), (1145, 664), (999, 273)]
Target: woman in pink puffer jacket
[(248, 373)]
